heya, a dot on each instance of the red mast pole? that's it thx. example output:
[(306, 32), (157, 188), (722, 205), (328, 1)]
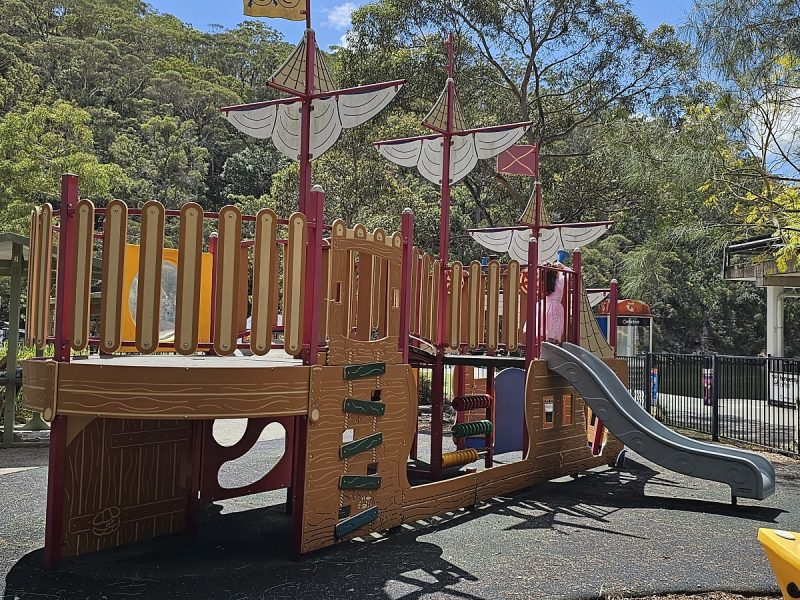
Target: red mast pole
[(305, 113), (444, 219), (437, 379)]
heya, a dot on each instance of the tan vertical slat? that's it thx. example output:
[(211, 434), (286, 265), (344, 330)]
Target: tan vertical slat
[(84, 241), (523, 311), (148, 298), (474, 305), (226, 301), (425, 302), (378, 284), (339, 298), (435, 283), (45, 275), (493, 305), (190, 255), (265, 281), (482, 311), (115, 234), (393, 288), (465, 309), (324, 305), (415, 302), (293, 290), (365, 309), (34, 247), (454, 306), (511, 306)]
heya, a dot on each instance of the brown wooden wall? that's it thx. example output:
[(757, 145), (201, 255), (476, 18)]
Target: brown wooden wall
[(126, 480)]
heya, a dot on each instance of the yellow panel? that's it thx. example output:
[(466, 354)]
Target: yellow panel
[(84, 244), (170, 257)]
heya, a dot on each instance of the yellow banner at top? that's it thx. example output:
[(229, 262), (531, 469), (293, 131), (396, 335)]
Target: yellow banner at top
[(294, 10)]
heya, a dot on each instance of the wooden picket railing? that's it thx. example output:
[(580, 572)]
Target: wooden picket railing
[(278, 267), (486, 305)]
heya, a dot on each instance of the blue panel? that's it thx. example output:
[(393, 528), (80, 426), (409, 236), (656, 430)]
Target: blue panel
[(350, 525)]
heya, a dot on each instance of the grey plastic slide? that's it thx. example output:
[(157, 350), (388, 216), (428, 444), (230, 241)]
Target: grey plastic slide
[(749, 475)]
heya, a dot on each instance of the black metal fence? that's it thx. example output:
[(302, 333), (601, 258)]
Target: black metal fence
[(755, 400)]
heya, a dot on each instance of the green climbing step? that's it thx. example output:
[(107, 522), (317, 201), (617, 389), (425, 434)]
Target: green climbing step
[(364, 407), (359, 482), (358, 446), (356, 521), (362, 371)]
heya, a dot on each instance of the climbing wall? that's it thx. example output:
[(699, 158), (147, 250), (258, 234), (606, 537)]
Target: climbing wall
[(362, 415)]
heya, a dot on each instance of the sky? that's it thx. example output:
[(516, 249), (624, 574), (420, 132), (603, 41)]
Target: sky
[(331, 18)]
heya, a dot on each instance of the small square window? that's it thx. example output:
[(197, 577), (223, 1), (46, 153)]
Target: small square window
[(548, 402)]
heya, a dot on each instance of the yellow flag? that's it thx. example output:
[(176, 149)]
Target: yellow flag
[(294, 10)]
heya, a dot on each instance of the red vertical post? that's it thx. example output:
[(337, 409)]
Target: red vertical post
[(407, 233), (613, 309), (532, 330), (577, 293), (65, 298), (313, 275)]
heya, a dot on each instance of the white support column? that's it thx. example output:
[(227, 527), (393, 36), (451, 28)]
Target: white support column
[(775, 320)]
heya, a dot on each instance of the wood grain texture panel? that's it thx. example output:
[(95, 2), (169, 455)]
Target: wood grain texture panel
[(265, 282), (226, 294), (493, 305), (115, 234), (425, 297), (38, 384), (294, 267), (148, 295), (34, 247), (511, 306), (436, 282), (82, 259), (187, 304), (454, 306), (45, 256), (323, 499), (346, 351), (430, 499), (87, 388), (415, 291), (475, 295), (114, 495)]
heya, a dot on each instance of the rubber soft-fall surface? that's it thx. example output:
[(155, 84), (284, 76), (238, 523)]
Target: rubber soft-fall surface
[(749, 475)]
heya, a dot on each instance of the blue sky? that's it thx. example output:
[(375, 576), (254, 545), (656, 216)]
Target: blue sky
[(332, 17)]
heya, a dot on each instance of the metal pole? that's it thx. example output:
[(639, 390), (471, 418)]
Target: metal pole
[(13, 343), (714, 398)]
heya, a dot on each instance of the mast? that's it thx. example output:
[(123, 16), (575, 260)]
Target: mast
[(444, 218)]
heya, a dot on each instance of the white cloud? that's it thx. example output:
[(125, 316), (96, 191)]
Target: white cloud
[(339, 16)]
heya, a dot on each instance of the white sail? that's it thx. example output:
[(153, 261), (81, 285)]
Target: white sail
[(280, 121), (514, 240), (427, 153)]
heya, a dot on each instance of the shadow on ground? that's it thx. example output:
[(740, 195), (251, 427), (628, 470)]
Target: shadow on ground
[(244, 554)]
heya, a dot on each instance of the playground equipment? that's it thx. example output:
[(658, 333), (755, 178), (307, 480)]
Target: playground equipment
[(783, 551), (132, 454), (748, 474)]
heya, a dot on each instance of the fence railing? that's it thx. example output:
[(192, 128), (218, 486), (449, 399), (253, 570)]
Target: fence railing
[(754, 400)]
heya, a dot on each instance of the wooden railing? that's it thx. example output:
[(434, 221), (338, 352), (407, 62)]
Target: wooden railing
[(486, 305), (220, 279), (278, 267)]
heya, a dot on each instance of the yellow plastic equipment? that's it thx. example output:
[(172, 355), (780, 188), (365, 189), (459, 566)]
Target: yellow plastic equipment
[(783, 551)]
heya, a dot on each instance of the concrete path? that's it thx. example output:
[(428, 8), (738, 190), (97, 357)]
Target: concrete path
[(635, 532)]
